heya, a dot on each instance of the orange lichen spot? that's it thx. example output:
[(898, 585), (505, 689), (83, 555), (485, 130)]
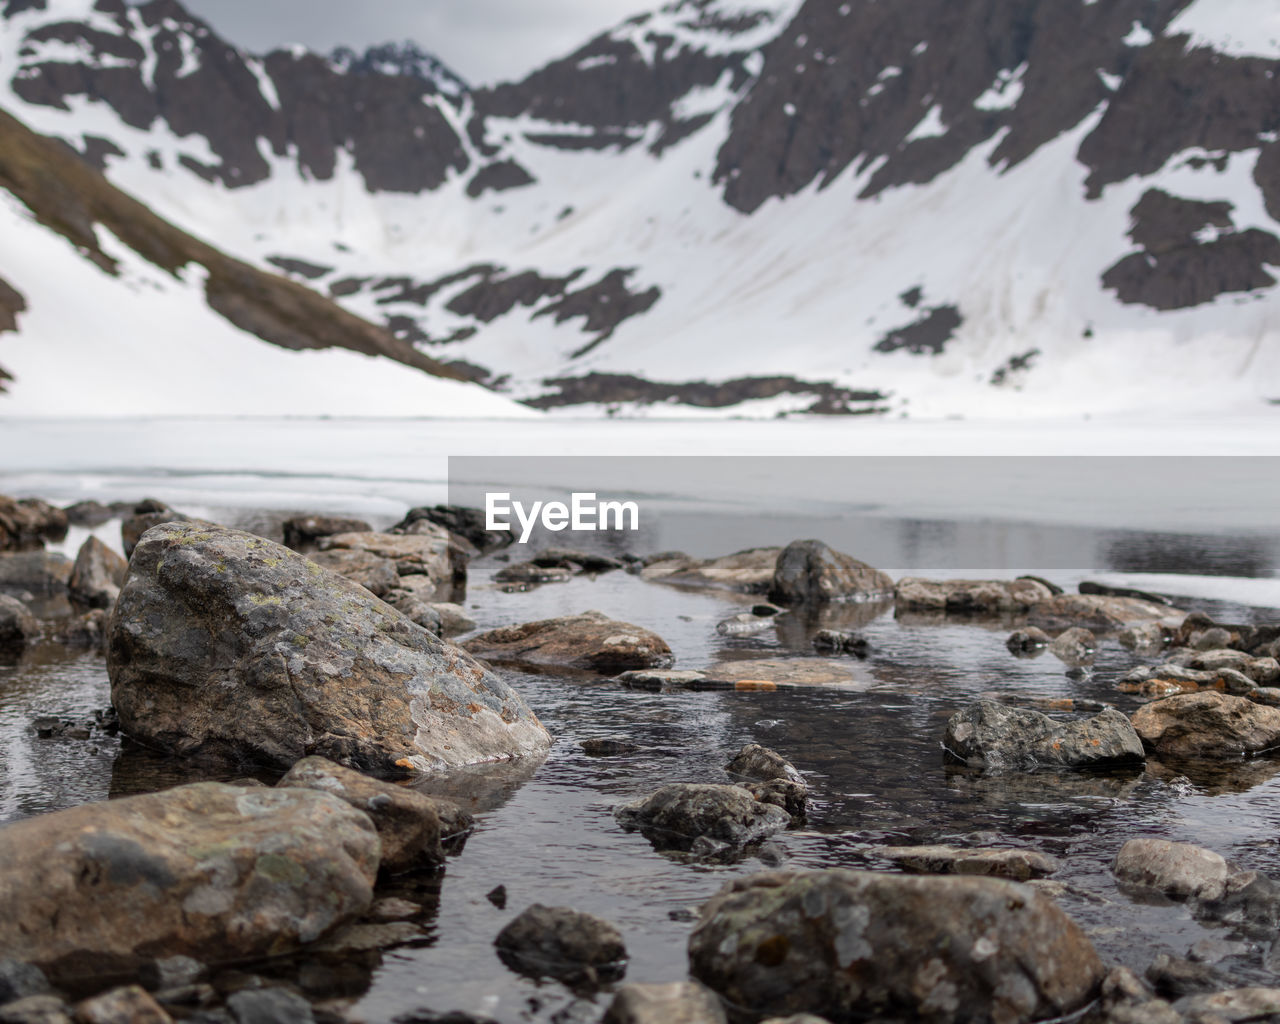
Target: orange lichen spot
[(404, 762), (755, 684), (1062, 704)]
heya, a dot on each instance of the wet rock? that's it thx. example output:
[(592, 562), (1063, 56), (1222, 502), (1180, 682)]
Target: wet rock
[(1162, 680), (469, 523), (585, 561), (1178, 870), (422, 553), (172, 972), (1210, 639), (131, 1004), (95, 513), (1207, 724), (745, 624), (47, 1009), (1024, 641), (783, 673), (392, 908), (269, 1006), (1096, 612), (368, 937), (453, 618), (559, 942), (97, 576), (587, 641), (858, 944), (1249, 899), (42, 573), (497, 896), (754, 761), (969, 597), (1233, 1006), (1106, 590), (1018, 865), (27, 523), (608, 746), (1074, 646), (792, 797), (377, 575), (209, 870), (677, 814), (529, 574), (407, 822), (302, 532), (1146, 637), (1263, 671), (993, 735), (146, 514), (680, 1002), (810, 572), (19, 980), (750, 571), (18, 626), (658, 680), (241, 648), (1173, 977), (841, 640)]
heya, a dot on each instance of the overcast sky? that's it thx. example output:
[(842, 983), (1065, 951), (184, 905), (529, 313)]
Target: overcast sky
[(482, 40)]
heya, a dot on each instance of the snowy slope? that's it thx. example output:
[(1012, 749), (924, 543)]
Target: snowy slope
[(752, 206)]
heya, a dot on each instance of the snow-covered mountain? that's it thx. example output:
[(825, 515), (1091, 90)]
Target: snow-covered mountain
[(928, 207)]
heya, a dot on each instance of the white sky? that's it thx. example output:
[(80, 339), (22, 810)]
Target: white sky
[(482, 40)]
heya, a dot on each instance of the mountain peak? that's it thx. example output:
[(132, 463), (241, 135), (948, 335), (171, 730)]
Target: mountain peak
[(403, 58)]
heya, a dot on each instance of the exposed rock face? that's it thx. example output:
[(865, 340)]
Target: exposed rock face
[(1074, 646), (1017, 865), (1179, 870), (969, 596), (855, 944), (782, 674), (226, 644), (772, 779), (376, 574), (588, 641), (97, 576), (220, 872), (559, 942), (408, 822), (1207, 724), (465, 522), (610, 388), (17, 625), (994, 735), (676, 815), (810, 572), (28, 523), (680, 1002), (146, 514)]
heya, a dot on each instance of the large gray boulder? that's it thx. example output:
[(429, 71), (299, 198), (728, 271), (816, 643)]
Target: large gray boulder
[(855, 945), (993, 735), (560, 942), (810, 572), (224, 643), (206, 870), (97, 576), (1180, 870)]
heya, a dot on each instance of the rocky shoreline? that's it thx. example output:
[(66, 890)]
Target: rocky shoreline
[(324, 665)]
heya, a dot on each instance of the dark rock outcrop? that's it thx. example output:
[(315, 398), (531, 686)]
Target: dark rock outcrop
[(18, 626), (559, 942), (27, 523), (223, 643), (810, 572), (677, 815)]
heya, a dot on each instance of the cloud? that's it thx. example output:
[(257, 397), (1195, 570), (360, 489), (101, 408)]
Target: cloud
[(482, 40)]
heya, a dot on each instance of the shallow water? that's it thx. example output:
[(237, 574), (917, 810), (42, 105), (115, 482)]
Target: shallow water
[(871, 753)]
